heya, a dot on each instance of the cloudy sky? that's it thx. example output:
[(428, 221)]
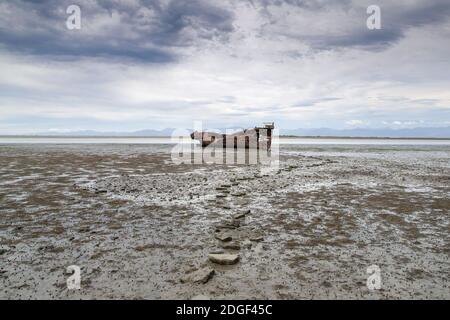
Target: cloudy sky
[(138, 64)]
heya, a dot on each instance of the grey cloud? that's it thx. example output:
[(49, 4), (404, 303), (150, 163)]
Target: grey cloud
[(227, 99), (301, 104), (156, 30), (307, 4), (313, 102), (41, 28), (396, 17), (207, 18)]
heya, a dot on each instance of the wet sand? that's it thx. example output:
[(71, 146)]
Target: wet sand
[(138, 225)]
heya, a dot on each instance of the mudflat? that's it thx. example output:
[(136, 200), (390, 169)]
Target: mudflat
[(141, 227)]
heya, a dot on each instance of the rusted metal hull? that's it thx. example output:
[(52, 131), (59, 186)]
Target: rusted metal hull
[(256, 138)]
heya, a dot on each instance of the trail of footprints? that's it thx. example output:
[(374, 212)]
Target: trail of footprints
[(229, 232), (232, 234)]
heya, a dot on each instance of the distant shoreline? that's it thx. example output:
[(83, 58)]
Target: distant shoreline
[(281, 136), (350, 137)]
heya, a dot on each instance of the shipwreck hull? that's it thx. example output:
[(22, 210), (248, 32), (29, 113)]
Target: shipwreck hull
[(256, 138)]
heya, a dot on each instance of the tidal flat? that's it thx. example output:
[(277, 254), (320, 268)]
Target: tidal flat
[(142, 227)]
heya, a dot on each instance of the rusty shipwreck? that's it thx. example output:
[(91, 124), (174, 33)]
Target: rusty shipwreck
[(254, 138)]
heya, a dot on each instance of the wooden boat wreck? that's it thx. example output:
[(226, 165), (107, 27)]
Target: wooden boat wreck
[(254, 138)]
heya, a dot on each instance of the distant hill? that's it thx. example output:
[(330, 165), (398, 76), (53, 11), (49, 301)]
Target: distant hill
[(443, 132), (424, 132)]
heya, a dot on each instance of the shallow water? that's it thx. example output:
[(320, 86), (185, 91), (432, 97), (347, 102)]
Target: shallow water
[(168, 140)]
